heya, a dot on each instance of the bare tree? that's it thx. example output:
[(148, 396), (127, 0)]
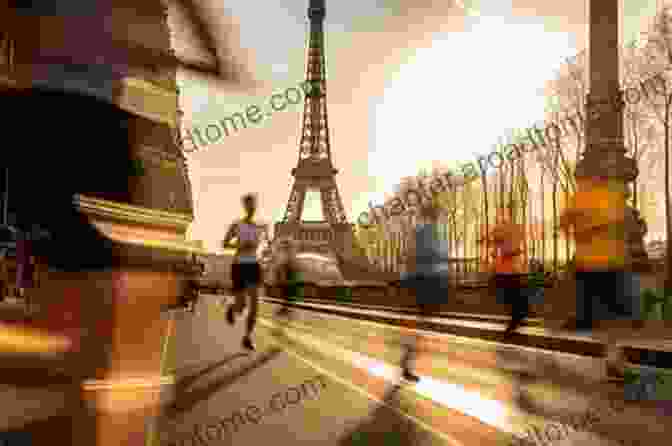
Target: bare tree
[(639, 117), (658, 54)]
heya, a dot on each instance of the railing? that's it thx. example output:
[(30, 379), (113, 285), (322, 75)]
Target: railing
[(305, 233), (315, 235)]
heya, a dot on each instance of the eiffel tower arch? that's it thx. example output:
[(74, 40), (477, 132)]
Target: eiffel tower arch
[(334, 236)]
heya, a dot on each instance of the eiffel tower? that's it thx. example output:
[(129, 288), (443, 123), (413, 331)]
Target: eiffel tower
[(334, 236)]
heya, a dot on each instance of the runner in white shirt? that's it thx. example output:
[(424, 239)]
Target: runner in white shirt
[(245, 269)]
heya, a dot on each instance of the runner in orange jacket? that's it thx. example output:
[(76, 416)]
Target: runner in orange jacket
[(510, 267)]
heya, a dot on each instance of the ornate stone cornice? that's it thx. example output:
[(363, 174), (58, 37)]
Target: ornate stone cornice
[(129, 383), (610, 163), (149, 100), (132, 214), (138, 226)]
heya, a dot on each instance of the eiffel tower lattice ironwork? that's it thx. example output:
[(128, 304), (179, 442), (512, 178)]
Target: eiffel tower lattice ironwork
[(334, 236), (315, 170)]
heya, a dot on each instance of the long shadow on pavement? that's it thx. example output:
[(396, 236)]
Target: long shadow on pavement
[(598, 416), (386, 426), (527, 371), (186, 381), (185, 401)]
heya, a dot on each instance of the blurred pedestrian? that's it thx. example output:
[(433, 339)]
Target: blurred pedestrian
[(510, 280), (287, 274), (427, 276), (607, 290)]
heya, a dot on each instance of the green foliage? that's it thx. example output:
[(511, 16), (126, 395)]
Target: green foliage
[(635, 385), (536, 280), (137, 168), (390, 438), (650, 298), (344, 293), (295, 285)]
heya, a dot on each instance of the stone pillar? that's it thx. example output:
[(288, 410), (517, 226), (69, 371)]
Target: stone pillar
[(114, 317), (604, 164), (608, 237)]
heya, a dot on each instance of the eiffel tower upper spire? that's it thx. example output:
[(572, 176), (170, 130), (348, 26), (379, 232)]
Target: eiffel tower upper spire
[(314, 145)]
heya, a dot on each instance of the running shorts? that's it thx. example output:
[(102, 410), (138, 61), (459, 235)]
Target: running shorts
[(245, 275), (429, 288)]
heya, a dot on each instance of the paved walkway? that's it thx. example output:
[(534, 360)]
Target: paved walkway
[(290, 392), (319, 382), (333, 381)]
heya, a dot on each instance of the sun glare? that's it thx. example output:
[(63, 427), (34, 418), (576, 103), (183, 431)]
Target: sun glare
[(457, 98)]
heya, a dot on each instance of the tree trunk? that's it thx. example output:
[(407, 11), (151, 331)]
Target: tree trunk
[(635, 183), (567, 236), (532, 232), (477, 235), (555, 210), (486, 214), (464, 222), (511, 192), (543, 219), (668, 221), (502, 186)]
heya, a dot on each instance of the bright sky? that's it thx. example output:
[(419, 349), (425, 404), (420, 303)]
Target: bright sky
[(410, 82), (453, 100)]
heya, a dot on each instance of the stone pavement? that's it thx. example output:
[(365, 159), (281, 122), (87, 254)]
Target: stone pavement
[(289, 395), (324, 381), (565, 388)]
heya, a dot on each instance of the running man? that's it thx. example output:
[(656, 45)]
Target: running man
[(426, 277), (608, 292), (245, 269), (510, 278), (287, 274)]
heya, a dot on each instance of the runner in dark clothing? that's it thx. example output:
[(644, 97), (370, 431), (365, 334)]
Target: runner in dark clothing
[(288, 275), (426, 277)]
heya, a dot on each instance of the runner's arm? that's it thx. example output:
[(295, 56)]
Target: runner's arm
[(230, 234), (265, 237)]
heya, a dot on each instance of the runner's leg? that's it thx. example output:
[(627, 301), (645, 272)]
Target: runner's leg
[(512, 295), (519, 307), (238, 293), (422, 286), (287, 289), (409, 339), (253, 289), (254, 309), (237, 307)]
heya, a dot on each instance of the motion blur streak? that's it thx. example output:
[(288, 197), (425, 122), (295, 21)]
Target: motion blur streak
[(449, 395), (30, 340)]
